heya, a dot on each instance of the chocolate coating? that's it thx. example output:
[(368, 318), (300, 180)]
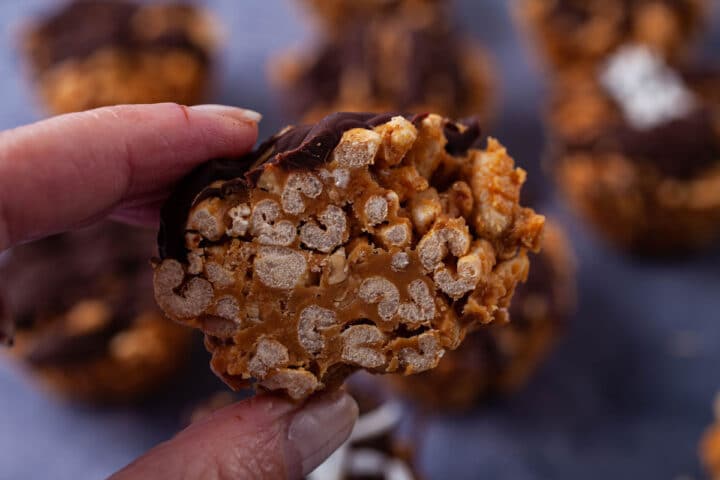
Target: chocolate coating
[(680, 148), (295, 148), (432, 53)]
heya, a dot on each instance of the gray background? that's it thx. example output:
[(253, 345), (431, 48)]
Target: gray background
[(626, 395)]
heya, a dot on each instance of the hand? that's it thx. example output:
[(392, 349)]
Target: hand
[(121, 162)]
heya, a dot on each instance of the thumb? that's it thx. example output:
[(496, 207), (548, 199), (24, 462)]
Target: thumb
[(264, 437), (73, 169)]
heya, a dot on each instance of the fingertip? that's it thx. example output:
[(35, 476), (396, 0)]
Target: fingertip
[(237, 113), (317, 430), (233, 130)]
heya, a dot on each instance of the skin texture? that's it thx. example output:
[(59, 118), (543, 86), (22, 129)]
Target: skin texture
[(264, 437), (120, 162)]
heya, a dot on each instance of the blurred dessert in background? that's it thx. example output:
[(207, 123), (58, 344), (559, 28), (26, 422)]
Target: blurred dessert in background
[(86, 322), (500, 359), (581, 33), (710, 445), (635, 148), (387, 56), (94, 53)]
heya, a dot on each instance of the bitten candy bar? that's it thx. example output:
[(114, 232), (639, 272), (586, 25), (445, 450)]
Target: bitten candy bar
[(363, 241)]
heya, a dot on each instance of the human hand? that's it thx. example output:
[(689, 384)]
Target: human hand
[(121, 162)]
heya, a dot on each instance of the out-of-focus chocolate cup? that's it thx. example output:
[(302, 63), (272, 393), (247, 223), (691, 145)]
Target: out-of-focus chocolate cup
[(93, 53)]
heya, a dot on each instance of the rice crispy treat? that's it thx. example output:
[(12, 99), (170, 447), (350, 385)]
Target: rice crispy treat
[(94, 53), (364, 241), (86, 322), (581, 33), (386, 60), (710, 446), (636, 151), (501, 358)]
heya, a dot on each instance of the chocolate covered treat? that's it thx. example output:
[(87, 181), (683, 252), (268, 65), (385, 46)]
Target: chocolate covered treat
[(500, 359), (93, 53), (388, 59), (710, 446), (581, 33), (637, 151), (361, 242), (86, 321)]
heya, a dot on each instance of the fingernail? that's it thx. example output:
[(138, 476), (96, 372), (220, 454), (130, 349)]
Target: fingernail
[(318, 429), (235, 113)]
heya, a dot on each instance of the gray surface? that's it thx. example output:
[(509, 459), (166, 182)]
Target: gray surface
[(626, 395)]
